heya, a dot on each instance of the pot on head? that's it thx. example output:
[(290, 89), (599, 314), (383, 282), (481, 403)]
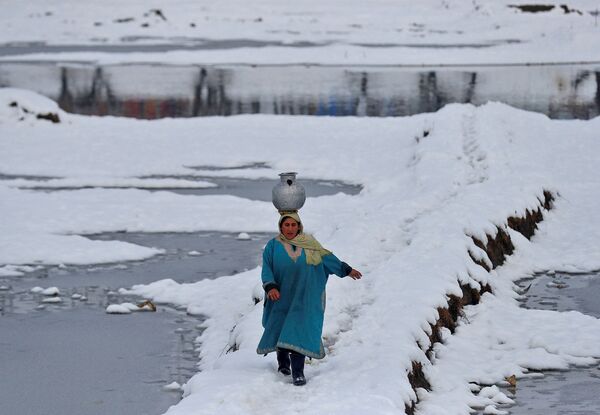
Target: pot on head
[(288, 195)]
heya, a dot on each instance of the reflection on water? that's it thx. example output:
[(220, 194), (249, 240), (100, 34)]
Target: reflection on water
[(156, 91)]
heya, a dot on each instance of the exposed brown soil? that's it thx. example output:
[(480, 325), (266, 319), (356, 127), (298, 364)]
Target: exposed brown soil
[(497, 247), (417, 379), (50, 116)]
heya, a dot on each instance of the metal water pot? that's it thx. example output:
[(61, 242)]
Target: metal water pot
[(288, 195)]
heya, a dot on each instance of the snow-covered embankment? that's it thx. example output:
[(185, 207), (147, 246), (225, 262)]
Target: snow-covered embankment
[(433, 185)]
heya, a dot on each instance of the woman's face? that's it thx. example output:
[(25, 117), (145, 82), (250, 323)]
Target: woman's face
[(289, 228)]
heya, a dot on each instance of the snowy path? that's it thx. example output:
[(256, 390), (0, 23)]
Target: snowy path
[(430, 182)]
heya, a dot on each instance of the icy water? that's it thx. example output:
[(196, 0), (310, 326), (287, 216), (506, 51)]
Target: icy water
[(156, 91), (255, 189), (80, 360), (74, 359), (564, 292), (570, 392)]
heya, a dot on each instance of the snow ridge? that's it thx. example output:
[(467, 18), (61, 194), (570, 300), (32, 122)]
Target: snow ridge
[(495, 250)]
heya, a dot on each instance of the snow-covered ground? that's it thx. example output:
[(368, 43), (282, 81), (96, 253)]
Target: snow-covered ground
[(355, 32), (431, 181)]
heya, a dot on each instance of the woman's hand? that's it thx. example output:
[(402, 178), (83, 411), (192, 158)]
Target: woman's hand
[(355, 274), (273, 294)]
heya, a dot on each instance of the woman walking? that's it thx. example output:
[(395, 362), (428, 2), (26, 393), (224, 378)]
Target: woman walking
[(294, 274)]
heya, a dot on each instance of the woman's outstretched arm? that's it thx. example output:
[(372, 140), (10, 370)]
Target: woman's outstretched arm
[(334, 266)]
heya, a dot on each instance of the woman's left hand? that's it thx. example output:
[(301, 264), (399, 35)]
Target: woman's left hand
[(355, 274)]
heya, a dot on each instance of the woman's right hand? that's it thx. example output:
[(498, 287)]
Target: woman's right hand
[(273, 294)]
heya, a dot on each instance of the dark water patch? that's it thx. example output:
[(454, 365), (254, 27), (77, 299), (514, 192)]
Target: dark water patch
[(260, 189), (158, 44), (560, 392), (571, 392), (253, 189), (188, 257), (26, 177), (155, 91), (136, 44), (76, 359), (563, 292), (258, 165), (442, 45), (80, 360)]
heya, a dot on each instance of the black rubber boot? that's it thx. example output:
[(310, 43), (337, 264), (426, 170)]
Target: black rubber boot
[(298, 368), (283, 361)]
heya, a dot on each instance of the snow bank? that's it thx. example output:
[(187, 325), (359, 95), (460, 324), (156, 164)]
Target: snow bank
[(433, 184), (22, 105), (128, 308)]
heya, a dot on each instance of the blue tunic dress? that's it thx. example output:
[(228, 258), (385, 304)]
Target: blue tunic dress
[(295, 321)]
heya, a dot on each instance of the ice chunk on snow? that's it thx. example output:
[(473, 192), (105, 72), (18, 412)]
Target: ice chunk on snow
[(45, 291), (243, 236), (127, 308), (50, 291), (124, 308), (173, 386), (117, 309), (489, 391), (474, 387), (495, 394), (15, 270), (502, 399)]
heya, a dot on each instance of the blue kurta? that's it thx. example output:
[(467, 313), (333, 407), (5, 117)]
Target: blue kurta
[(295, 321)]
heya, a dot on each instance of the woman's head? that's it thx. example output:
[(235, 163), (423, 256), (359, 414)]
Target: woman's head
[(290, 225)]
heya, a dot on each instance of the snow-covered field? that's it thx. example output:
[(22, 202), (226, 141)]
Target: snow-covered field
[(431, 181), (352, 32)]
